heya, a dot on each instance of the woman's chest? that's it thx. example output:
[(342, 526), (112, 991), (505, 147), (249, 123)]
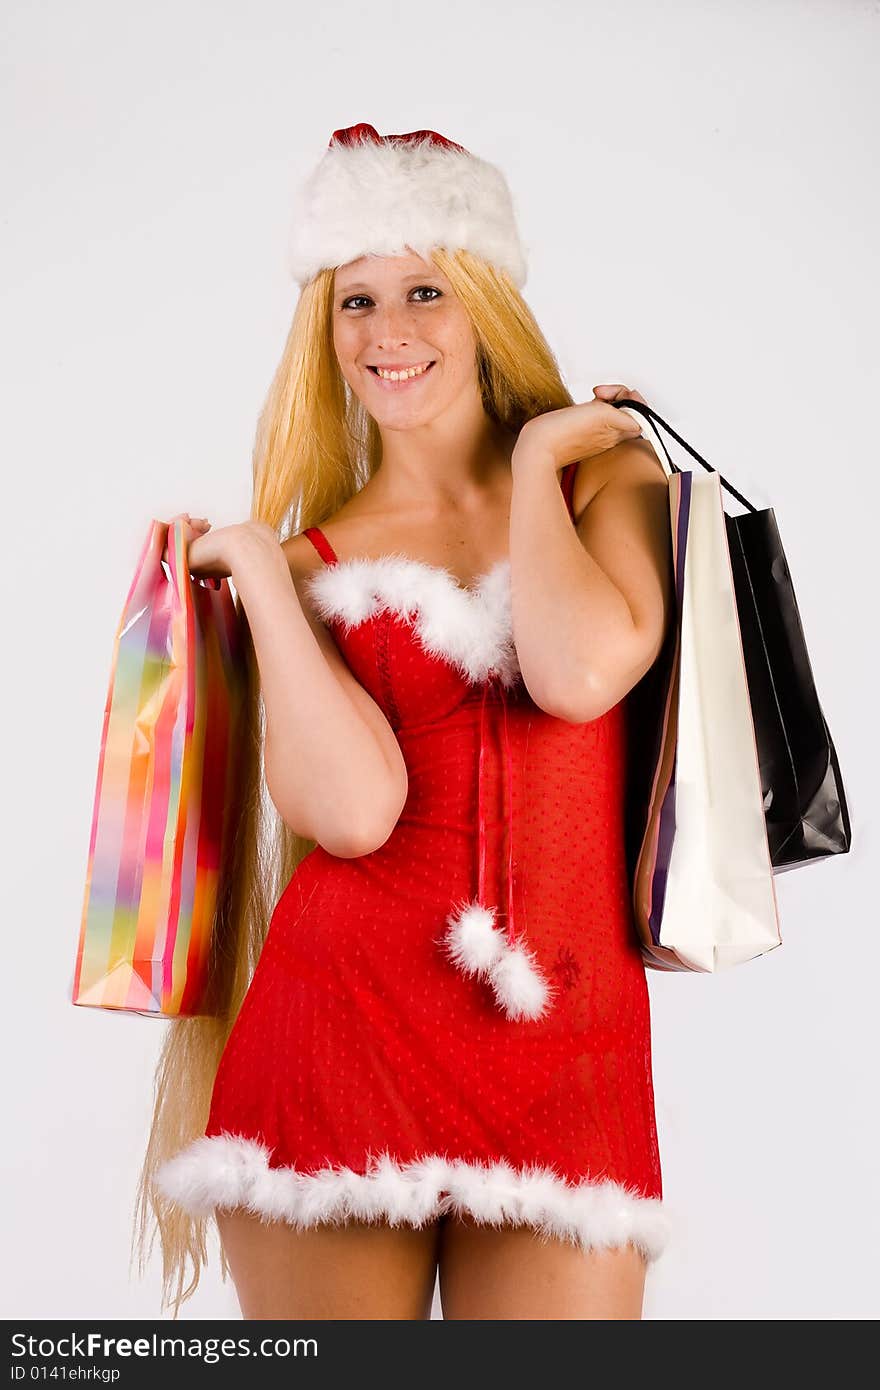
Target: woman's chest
[(419, 642)]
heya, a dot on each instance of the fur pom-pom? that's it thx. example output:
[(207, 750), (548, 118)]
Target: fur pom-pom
[(519, 986), (478, 947), (473, 941)]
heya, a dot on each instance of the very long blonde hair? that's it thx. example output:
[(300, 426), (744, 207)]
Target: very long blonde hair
[(315, 447)]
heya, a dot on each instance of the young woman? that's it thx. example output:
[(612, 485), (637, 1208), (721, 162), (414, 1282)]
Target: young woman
[(438, 1056)]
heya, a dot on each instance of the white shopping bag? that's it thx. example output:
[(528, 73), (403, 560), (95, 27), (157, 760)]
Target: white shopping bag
[(703, 889)]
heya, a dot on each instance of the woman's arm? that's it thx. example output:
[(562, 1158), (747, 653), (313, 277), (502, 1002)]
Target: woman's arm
[(590, 601), (333, 765)]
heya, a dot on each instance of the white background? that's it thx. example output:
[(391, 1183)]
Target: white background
[(696, 184)]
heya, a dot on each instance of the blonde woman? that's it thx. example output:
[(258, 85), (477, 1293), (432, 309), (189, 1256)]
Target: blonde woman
[(428, 1041)]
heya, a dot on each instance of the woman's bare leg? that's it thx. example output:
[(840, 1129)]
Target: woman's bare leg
[(352, 1271), (487, 1273)]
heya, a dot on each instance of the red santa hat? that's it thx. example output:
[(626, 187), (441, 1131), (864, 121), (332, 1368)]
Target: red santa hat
[(381, 194)]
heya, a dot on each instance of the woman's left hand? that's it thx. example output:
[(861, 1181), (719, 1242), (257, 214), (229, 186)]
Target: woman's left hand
[(581, 431)]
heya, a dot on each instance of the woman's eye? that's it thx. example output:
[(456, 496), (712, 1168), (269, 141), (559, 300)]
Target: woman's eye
[(354, 299)]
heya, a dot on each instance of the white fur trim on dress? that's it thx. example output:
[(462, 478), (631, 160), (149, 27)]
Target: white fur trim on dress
[(470, 627), (478, 947), (229, 1170), (382, 198)]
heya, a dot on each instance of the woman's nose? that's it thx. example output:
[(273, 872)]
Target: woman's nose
[(392, 325)]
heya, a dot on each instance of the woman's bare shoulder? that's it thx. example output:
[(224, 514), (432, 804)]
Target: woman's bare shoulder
[(351, 530), (302, 557), (591, 474)]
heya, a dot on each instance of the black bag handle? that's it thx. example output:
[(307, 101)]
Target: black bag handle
[(652, 414)]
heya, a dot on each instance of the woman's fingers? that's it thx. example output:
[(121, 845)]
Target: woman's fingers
[(197, 525), (617, 392), (628, 423), (192, 520)]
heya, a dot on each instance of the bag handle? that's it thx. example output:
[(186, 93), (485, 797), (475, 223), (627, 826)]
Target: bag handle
[(645, 410)]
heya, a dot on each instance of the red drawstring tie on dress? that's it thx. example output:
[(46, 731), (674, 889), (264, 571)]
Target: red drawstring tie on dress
[(482, 838), (473, 941)]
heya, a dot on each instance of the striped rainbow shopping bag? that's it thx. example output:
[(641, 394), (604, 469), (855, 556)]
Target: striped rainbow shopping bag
[(166, 789)]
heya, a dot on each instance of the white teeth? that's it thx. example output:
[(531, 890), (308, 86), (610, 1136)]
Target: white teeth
[(400, 376)]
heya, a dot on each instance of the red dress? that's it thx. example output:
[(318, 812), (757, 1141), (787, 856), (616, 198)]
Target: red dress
[(457, 1021)]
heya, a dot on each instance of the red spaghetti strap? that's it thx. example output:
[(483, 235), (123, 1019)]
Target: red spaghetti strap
[(321, 544), (567, 483)]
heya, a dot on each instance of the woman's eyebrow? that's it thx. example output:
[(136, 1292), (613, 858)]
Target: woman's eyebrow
[(361, 287)]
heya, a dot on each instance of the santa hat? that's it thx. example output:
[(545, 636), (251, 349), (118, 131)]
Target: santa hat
[(381, 194)]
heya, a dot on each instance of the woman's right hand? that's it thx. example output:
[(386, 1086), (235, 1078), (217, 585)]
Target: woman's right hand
[(195, 526), (213, 554)]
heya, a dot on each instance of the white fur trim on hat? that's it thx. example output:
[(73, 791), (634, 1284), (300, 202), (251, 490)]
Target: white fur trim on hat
[(383, 197), (230, 1170)]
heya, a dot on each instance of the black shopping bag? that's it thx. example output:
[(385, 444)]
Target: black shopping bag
[(804, 798)]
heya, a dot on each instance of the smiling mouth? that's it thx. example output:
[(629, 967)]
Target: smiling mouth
[(400, 381)]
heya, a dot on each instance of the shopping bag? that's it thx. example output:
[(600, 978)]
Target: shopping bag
[(804, 798), (167, 789), (703, 890)]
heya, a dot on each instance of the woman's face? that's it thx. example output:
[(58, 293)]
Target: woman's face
[(399, 312)]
